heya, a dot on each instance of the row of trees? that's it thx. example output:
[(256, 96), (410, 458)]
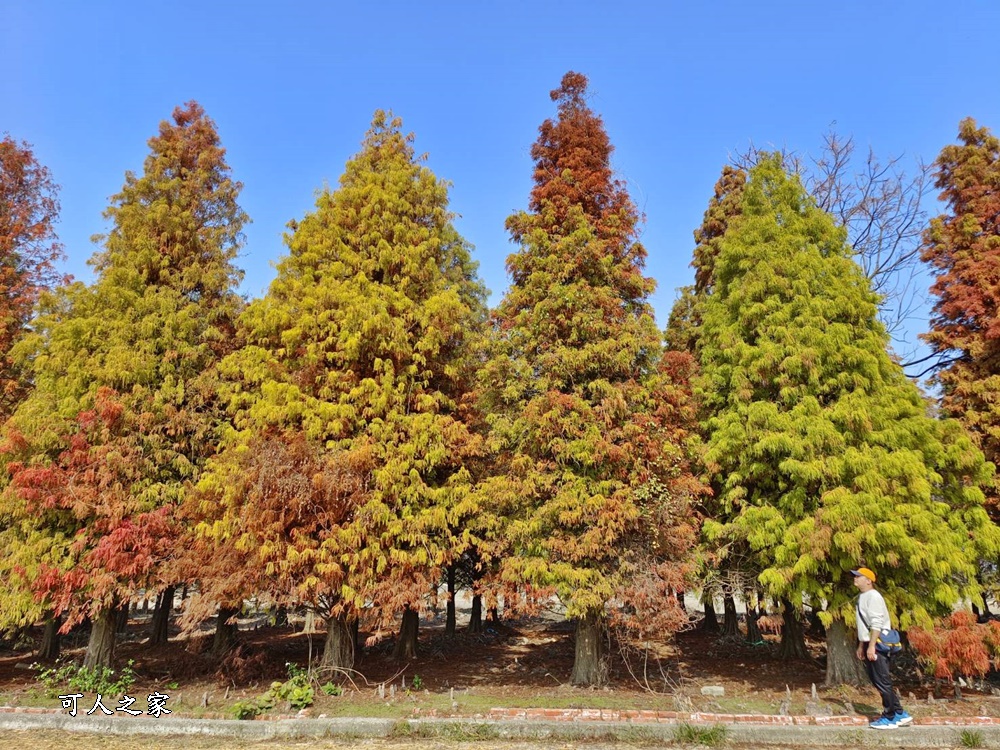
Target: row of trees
[(369, 429)]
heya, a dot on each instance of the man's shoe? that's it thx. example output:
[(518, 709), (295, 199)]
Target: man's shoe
[(902, 719), (883, 723)]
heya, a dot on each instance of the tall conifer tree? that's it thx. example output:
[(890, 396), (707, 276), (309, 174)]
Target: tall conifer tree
[(121, 415), (361, 350), (569, 388), (824, 452), (963, 248), (29, 250)]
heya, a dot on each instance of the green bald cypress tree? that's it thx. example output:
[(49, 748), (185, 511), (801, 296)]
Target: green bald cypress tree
[(823, 452)]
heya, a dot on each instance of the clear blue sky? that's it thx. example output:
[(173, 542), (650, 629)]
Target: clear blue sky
[(292, 87)]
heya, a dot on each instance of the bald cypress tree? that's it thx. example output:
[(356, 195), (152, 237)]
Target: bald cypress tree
[(823, 451), (581, 473), (120, 417), (963, 248), (360, 358)]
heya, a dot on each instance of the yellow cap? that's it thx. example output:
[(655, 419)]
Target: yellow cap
[(866, 572)]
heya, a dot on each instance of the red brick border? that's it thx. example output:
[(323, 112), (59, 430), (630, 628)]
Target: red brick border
[(594, 714)]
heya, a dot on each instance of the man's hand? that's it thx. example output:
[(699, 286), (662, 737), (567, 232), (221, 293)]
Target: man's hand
[(861, 651), (872, 656)]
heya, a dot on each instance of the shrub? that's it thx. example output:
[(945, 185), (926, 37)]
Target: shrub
[(957, 645), (297, 692), (102, 680), (331, 689), (245, 709)]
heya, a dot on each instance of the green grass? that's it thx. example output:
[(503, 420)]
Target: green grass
[(749, 706), (688, 734), (971, 738)]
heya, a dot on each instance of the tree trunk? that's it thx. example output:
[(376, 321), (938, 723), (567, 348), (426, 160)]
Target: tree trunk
[(842, 664), (816, 627), (590, 666), (754, 636), (793, 640), (476, 616), (101, 647), (406, 644), (225, 633), (730, 620), (281, 617), (121, 624), (158, 632), (49, 649), (493, 615), (680, 600), (711, 622), (449, 624), (338, 649)]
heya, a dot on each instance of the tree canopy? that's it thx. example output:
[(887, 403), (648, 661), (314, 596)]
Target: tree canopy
[(825, 453)]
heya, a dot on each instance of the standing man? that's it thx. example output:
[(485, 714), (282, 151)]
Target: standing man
[(872, 619)]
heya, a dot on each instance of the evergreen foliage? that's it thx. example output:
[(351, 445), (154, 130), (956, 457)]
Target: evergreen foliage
[(823, 451)]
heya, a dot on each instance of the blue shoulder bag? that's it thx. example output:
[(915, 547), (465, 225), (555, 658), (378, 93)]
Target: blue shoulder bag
[(888, 641)]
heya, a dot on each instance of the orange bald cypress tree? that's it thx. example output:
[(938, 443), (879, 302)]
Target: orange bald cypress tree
[(963, 247), (28, 253), (584, 477), (121, 410)]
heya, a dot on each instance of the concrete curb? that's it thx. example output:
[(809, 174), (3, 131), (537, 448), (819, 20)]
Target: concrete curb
[(746, 733)]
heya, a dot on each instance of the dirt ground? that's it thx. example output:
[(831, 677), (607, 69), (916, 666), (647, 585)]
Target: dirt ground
[(521, 663)]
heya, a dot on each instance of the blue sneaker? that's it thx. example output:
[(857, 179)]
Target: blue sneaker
[(902, 719), (883, 723)]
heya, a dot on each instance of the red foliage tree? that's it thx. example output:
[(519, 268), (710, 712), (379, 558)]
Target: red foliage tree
[(958, 646), (28, 252), (113, 536), (963, 247), (586, 473)]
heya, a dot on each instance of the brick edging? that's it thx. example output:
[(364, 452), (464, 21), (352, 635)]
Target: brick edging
[(697, 717)]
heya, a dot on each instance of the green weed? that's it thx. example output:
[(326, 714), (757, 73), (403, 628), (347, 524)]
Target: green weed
[(331, 689), (688, 734), (971, 738)]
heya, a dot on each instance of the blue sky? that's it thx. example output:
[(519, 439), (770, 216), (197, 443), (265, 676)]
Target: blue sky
[(681, 86)]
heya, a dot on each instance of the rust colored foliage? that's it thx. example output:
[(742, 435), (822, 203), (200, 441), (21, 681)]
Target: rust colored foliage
[(574, 181), (28, 252), (593, 487), (683, 327), (963, 247), (283, 505), (724, 206), (106, 537), (958, 646), (573, 168)]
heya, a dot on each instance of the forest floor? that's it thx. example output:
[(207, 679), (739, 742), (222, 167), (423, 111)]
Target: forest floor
[(523, 663)]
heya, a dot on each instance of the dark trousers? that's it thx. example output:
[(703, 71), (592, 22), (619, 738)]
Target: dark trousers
[(878, 673)]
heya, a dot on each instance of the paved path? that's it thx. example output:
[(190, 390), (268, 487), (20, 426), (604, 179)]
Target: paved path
[(519, 725)]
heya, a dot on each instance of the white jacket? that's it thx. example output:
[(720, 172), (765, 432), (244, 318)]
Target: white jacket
[(872, 606)]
